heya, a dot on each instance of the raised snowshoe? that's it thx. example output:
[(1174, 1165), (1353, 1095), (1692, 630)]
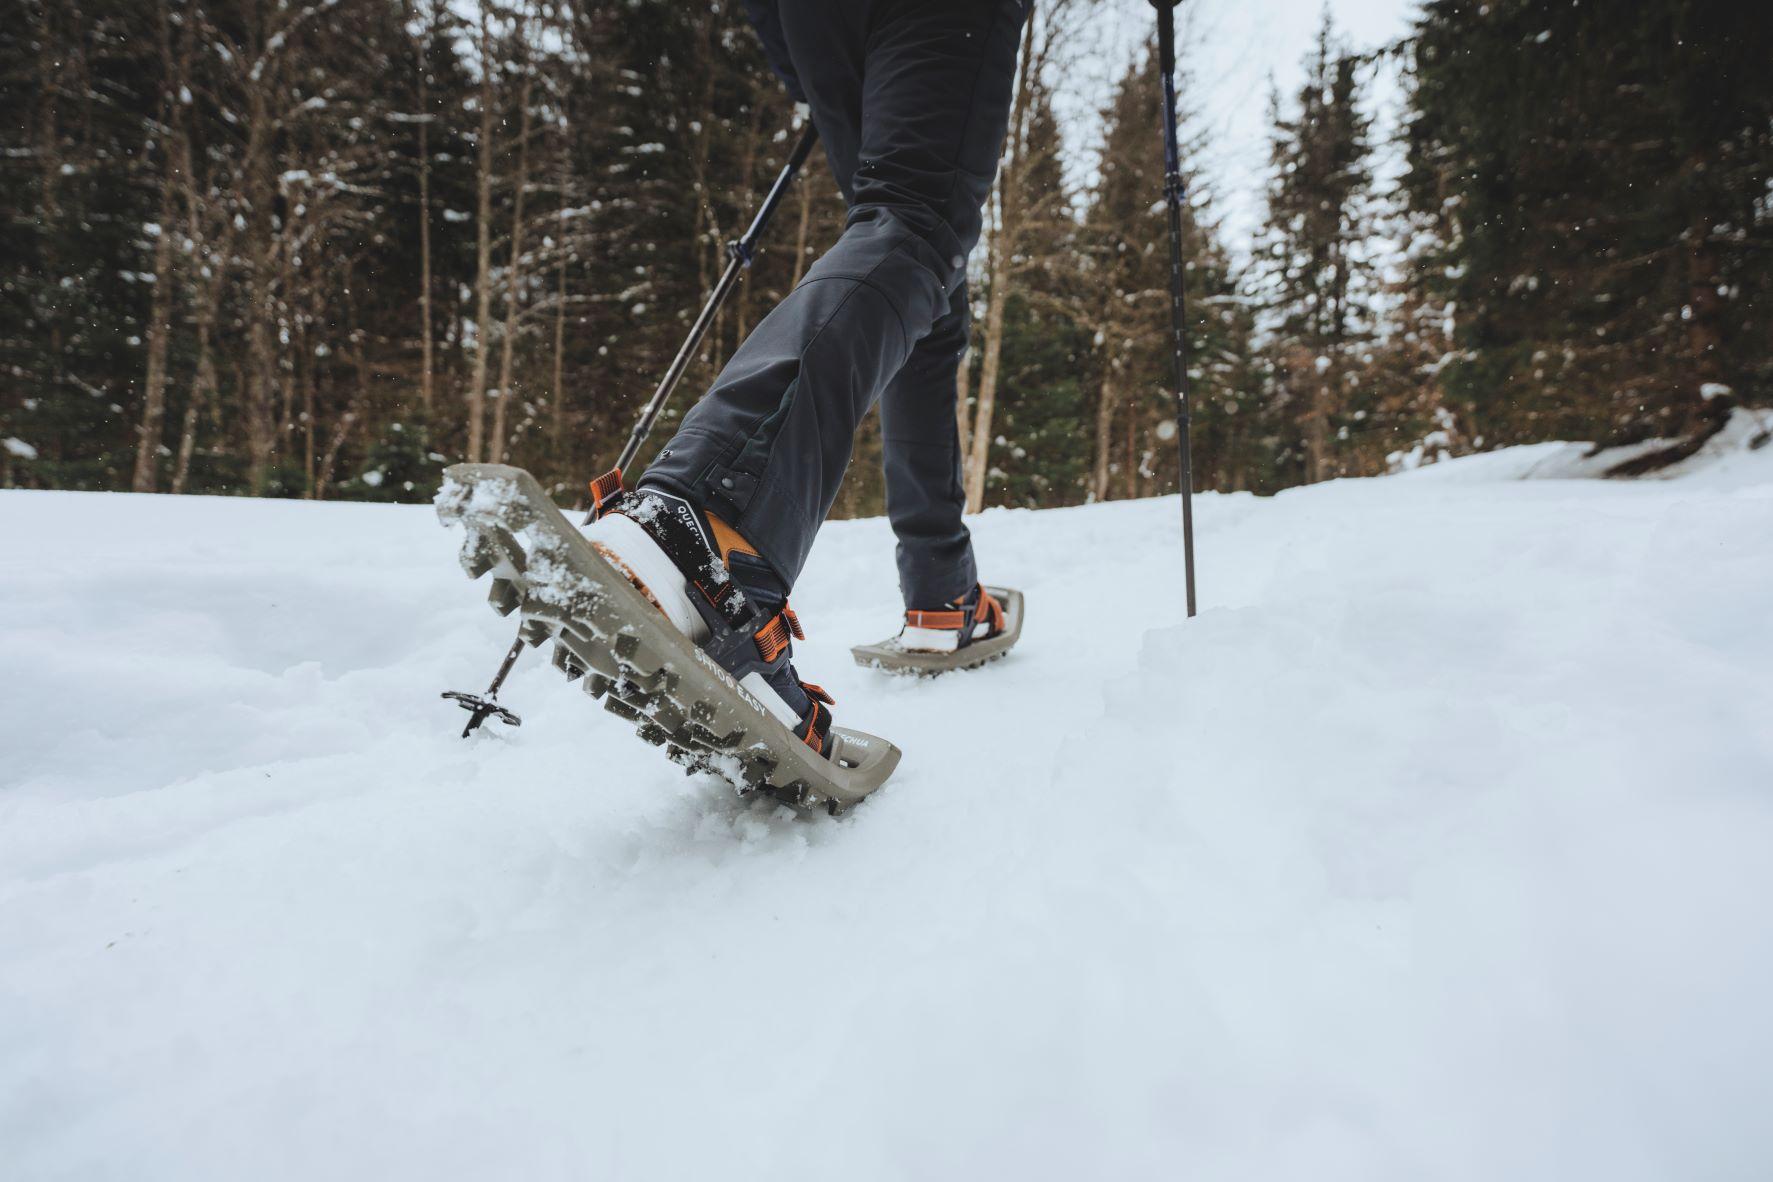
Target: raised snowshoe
[(646, 610), (981, 626)]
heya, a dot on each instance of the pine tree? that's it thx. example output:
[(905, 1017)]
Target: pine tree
[(1124, 240), (80, 192), (1316, 283), (1599, 173), (1040, 413)]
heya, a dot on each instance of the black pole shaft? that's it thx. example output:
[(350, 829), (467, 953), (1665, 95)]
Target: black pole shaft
[(511, 656), (1173, 193), (739, 256)]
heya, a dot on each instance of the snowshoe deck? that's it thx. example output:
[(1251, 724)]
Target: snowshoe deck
[(888, 654), (607, 633)]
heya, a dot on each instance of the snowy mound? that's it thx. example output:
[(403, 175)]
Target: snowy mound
[(1436, 847), (1737, 455)]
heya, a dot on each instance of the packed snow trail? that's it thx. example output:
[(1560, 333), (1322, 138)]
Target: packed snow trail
[(1438, 846)]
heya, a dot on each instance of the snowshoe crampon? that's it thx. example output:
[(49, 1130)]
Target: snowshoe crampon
[(622, 649), (894, 657)]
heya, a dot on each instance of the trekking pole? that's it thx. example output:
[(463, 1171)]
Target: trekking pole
[(1166, 52), (739, 254)]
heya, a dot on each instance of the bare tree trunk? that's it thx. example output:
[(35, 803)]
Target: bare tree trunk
[(343, 430), (289, 325), (50, 66), (1704, 415), (708, 243), (1104, 434), (148, 443), (558, 389), (1132, 459), (147, 451), (261, 392), (427, 345), (979, 458), (215, 252), (333, 447), (308, 436), (1001, 250), (1317, 428), (742, 299), (202, 390), (483, 249), (53, 61), (514, 269), (557, 396)]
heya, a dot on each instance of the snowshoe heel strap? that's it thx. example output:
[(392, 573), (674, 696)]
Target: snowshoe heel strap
[(772, 638), (962, 619), (991, 611), (818, 727), (943, 621)]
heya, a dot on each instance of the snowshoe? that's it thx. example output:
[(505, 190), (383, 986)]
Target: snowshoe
[(622, 630), (981, 627)]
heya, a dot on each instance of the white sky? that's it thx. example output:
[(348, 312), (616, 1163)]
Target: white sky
[(1231, 50)]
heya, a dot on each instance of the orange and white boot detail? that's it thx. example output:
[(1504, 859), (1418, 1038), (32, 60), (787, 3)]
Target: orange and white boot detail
[(976, 616), (717, 590)]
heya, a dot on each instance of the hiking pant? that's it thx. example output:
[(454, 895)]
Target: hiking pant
[(911, 99)]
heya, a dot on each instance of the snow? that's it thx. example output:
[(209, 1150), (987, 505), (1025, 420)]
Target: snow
[(1730, 457), (1437, 846)]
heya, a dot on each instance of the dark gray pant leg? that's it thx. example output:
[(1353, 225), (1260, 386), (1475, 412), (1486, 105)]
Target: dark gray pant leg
[(920, 450), (767, 447)]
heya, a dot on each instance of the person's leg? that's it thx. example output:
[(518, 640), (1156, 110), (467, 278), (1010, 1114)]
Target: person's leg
[(767, 447), (920, 447)]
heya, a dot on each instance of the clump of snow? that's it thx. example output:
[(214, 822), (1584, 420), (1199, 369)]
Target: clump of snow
[(1436, 846), (484, 498), (18, 448)]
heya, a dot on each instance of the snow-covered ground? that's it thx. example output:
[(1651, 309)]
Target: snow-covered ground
[(1439, 846)]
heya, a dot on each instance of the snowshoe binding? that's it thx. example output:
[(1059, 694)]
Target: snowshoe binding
[(645, 608), (980, 626)]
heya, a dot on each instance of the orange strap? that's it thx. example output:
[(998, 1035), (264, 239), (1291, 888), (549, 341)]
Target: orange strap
[(812, 738), (772, 638), (989, 610), (604, 490), (940, 621), (718, 595)]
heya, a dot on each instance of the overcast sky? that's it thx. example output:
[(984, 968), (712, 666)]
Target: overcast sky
[(1231, 50)]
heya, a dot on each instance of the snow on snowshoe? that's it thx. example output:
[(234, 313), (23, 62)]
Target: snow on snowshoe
[(621, 626), (980, 627)]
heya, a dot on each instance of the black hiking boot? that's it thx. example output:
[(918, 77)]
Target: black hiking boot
[(715, 589)]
